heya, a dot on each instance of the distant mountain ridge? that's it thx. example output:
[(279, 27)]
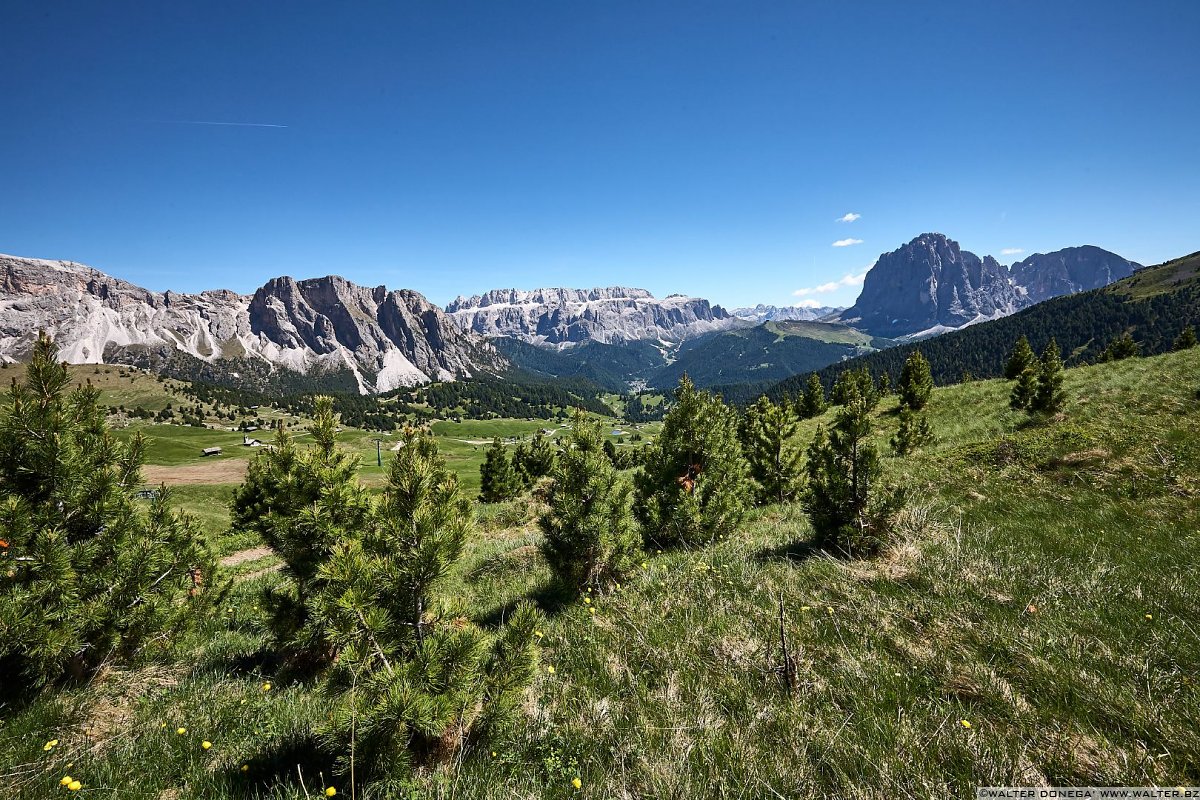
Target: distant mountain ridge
[(565, 317), (769, 313), (931, 285), (379, 339)]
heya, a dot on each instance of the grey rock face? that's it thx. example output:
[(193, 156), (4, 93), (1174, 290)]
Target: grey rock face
[(1075, 269), (386, 338), (931, 282), (568, 316), (931, 285)]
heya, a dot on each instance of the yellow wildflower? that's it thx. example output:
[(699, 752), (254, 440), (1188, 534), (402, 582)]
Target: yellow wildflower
[(206, 744), (587, 600), (591, 610), (330, 792), (538, 634), (245, 767), (181, 731), (50, 745), (1149, 616), (577, 783), (266, 687), (74, 786), (66, 780), (549, 669), (964, 723)]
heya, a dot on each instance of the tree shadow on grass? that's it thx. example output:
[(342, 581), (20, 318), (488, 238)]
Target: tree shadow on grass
[(801, 550), (299, 762), (550, 598)]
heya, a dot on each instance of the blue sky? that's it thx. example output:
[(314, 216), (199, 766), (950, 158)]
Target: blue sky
[(704, 148)]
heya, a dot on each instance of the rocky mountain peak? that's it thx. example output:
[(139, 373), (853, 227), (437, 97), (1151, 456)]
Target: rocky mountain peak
[(383, 339), (931, 284), (562, 316)]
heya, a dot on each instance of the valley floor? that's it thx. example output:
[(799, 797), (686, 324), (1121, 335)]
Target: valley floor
[(1038, 623)]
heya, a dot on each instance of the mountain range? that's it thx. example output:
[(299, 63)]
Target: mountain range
[(373, 338), (329, 333), (562, 317), (931, 285)]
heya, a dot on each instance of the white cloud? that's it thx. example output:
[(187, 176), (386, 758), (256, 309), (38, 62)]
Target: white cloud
[(1012, 251), (849, 217), (832, 286), (810, 303), (847, 242)]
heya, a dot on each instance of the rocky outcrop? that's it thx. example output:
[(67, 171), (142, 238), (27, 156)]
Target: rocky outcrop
[(384, 338), (1075, 269), (931, 285), (563, 317)]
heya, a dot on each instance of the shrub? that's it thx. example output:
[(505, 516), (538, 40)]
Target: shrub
[(92, 577), (916, 382), (302, 503), (694, 485), (769, 437), (850, 508), (499, 480), (914, 432), (410, 683), (590, 537)]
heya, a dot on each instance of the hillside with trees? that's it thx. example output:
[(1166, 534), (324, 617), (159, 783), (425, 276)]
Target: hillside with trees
[(1153, 306)]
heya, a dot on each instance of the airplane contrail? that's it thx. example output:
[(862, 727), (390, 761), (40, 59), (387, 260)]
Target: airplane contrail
[(234, 124)]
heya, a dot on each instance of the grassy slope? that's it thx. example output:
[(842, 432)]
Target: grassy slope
[(669, 690)]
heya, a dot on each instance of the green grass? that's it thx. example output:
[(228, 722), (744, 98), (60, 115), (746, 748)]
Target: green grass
[(1016, 600), (821, 331), (1159, 279), (173, 445)]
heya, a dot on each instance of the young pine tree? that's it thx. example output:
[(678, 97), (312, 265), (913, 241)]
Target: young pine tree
[(914, 432), (1049, 397), (534, 460), (850, 508), (1021, 357), (855, 383), (812, 402), (694, 485), (302, 503), (410, 681), (772, 452), (1121, 348), (1186, 339), (499, 478), (91, 575), (590, 537), (1023, 392), (916, 382)]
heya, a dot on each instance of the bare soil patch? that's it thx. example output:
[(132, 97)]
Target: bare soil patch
[(242, 556), (229, 470)]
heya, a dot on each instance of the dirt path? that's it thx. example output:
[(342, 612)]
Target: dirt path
[(228, 470), (242, 556)]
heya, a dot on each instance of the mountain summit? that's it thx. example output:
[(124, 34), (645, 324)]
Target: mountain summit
[(563, 317), (932, 285), (375, 339)]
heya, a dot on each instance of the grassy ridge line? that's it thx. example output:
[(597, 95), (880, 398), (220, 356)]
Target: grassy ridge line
[(1016, 602)]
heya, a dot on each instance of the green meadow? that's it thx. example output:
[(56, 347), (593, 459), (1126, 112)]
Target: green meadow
[(1036, 623)]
